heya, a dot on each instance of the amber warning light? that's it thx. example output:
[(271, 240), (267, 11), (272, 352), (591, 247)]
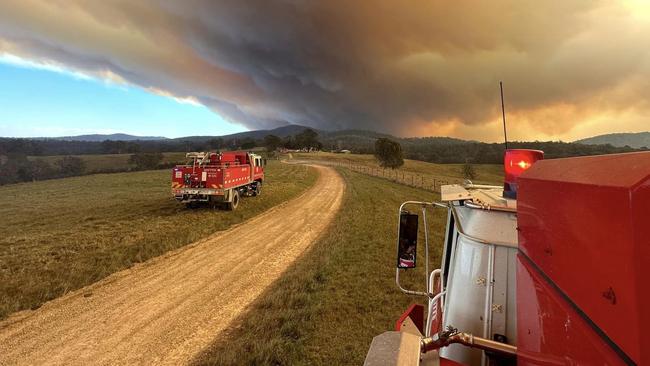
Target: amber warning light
[(515, 162)]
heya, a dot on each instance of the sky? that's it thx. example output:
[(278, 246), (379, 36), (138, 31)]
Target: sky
[(571, 69), (37, 101)]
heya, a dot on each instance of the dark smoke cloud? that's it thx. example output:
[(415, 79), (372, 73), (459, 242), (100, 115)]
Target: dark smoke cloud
[(571, 68)]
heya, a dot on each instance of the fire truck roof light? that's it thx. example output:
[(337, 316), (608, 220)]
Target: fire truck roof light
[(524, 164), (515, 162)]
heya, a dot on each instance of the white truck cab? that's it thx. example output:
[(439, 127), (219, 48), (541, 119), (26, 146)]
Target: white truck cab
[(471, 312)]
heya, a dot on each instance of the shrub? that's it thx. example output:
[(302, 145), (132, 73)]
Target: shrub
[(146, 161), (71, 166)]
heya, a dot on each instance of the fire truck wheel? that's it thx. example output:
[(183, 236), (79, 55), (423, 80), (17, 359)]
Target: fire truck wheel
[(235, 200), (258, 189)]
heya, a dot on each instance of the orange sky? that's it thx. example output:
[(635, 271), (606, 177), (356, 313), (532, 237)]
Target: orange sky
[(571, 69)]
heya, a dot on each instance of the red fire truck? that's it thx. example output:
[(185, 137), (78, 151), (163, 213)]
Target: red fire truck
[(218, 178), (549, 269)]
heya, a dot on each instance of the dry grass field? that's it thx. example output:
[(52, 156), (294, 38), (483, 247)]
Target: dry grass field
[(485, 173), (60, 235), (330, 304)]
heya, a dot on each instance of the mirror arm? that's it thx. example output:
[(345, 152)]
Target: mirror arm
[(408, 292)]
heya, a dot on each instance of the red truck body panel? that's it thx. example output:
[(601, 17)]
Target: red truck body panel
[(549, 329), (584, 234)]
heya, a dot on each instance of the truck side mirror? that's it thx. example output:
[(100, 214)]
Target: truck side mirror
[(407, 240)]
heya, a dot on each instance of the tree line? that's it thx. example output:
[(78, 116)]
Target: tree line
[(431, 149), (16, 168), (46, 147), (492, 153), (444, 150), (20, 162)]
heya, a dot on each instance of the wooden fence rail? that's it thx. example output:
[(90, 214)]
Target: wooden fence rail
[(427, 182)]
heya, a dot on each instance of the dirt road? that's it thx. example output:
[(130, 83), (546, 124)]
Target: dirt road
[(167, 310)]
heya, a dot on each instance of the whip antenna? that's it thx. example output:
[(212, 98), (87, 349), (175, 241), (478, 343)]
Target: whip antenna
[(503, 113)]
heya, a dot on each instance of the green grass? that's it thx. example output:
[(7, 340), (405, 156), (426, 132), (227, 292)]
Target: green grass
[(60, 235), (107, 162), (485, 173), (334, 299)]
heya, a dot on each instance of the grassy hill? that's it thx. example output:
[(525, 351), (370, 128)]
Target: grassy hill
[(62, 234), (635, 140)]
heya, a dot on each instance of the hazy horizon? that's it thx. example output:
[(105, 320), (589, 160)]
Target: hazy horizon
[(180, 136)]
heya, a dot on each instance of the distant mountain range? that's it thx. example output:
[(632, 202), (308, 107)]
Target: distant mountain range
[(102, 137), (432, 149), (283, 131), (328, 137), (635, 140), (355, 137)]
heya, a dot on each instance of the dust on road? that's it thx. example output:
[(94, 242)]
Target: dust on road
[(167, 310)]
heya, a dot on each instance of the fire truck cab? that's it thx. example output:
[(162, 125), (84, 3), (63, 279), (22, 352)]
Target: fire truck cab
[(547, 270)]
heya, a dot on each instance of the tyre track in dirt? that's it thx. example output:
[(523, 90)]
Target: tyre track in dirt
[(166, 310)]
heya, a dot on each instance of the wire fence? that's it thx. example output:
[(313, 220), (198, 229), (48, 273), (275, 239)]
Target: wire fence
[(427, 182)]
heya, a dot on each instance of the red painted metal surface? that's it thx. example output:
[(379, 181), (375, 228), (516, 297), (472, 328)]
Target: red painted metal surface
[(585, 223), (416, 313), (446, 362), (549, 330)]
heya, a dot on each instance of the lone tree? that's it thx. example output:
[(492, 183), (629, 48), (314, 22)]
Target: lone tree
[(389, 153), (468, 171)]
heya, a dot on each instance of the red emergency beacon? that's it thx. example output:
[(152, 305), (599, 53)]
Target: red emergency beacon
[(515, 162)]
